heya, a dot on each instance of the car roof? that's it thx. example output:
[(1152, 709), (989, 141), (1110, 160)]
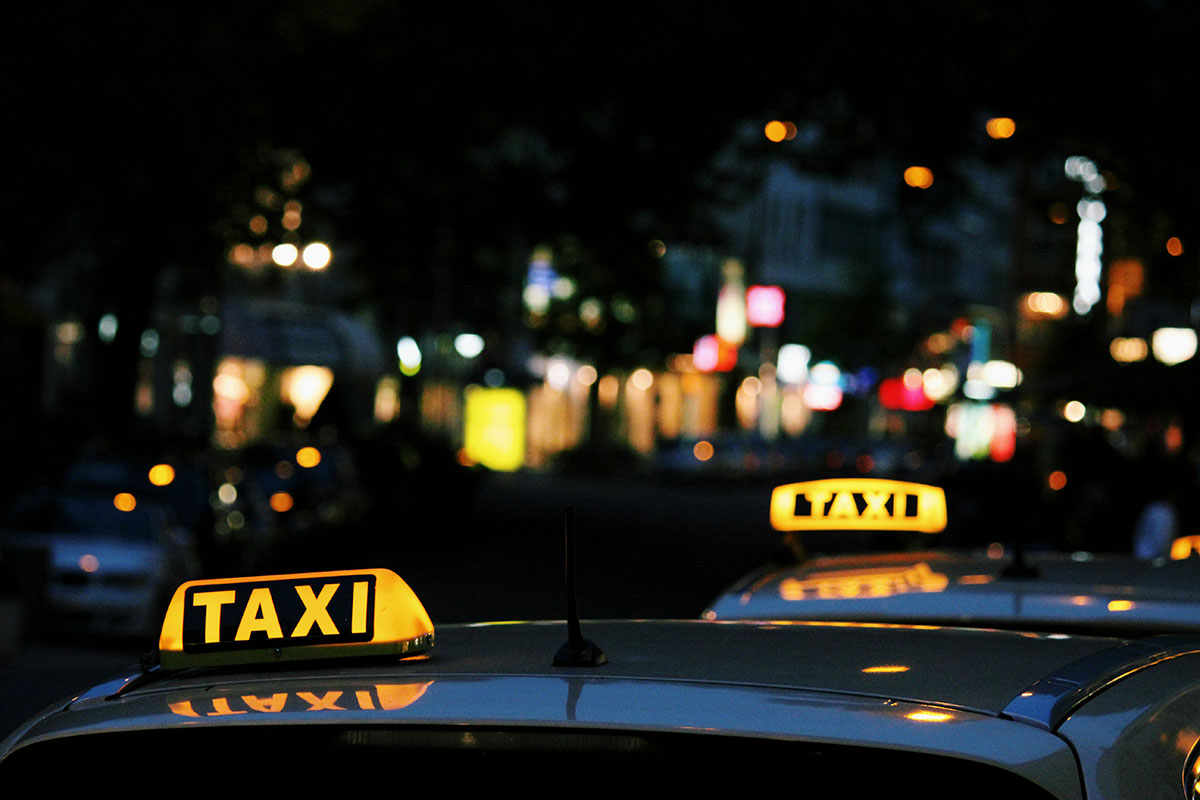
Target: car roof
[(892, 662), (874, 686), (1103, 593)]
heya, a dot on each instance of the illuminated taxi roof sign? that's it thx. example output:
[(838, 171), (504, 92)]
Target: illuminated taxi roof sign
[(858, 504), (293, 617)]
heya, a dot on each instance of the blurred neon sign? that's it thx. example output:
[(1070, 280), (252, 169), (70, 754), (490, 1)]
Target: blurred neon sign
[(714, 354), (764, 306), (494, 428)]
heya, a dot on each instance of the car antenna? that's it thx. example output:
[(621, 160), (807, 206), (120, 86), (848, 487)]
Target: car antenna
[(577, 651)]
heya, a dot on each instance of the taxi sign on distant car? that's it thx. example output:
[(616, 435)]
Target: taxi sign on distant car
[(845, 504), (292, 617)]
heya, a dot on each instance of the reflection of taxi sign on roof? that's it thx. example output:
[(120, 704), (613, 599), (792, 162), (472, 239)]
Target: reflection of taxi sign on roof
[(858, 504), (292, 617)]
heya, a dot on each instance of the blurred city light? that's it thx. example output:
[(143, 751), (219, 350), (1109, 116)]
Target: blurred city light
[(918, 177), (305, 388), (778, 131), (281, 502), (1175, 246), (161, 474), (308, 457), (558, 374), (107, 327), (792, 363), (148, 344), (1084, 170), (387, 399), (1000, 127), (494, 426), (940, 383), (712, 354), (227, 494), (823, 392), (1126, 280), (764, 306), (982, 431), (641, 379), (316, 256), (1089, 243), (1001, 374), (586, 376), (468, 345), (1173, 345), (1044, 304), (608, 390), (731, 304), (124, 501), (409, 353), (284, 255), (1128, 350), (1074, 411)]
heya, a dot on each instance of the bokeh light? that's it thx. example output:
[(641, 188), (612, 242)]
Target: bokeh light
[(918, 177)]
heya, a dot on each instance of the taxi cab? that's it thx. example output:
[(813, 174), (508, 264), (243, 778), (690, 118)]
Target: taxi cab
[(1000, 585), (323, 679)]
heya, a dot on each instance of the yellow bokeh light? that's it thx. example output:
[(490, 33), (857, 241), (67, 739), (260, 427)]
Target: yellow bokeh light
[(308, 456), (703, 450), (1175, 246), (918, 177), (775, 130), (1001, 127), (162, 474), (124, 501), (1120, 605)]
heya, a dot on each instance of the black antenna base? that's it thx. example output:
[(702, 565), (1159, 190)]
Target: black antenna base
[(579, 654)]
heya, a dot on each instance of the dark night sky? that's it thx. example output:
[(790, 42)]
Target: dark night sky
[(139, 122)]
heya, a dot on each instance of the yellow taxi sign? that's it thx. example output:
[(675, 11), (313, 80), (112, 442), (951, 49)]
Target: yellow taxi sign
[(858, 504), (293, 617)]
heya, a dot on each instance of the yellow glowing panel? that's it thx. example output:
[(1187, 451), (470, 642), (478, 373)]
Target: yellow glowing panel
[(885, 669), (930, 716), (292, 617), (494, 428), (868, 504)]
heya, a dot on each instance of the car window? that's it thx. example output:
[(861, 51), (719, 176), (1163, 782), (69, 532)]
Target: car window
[(482, 758)]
